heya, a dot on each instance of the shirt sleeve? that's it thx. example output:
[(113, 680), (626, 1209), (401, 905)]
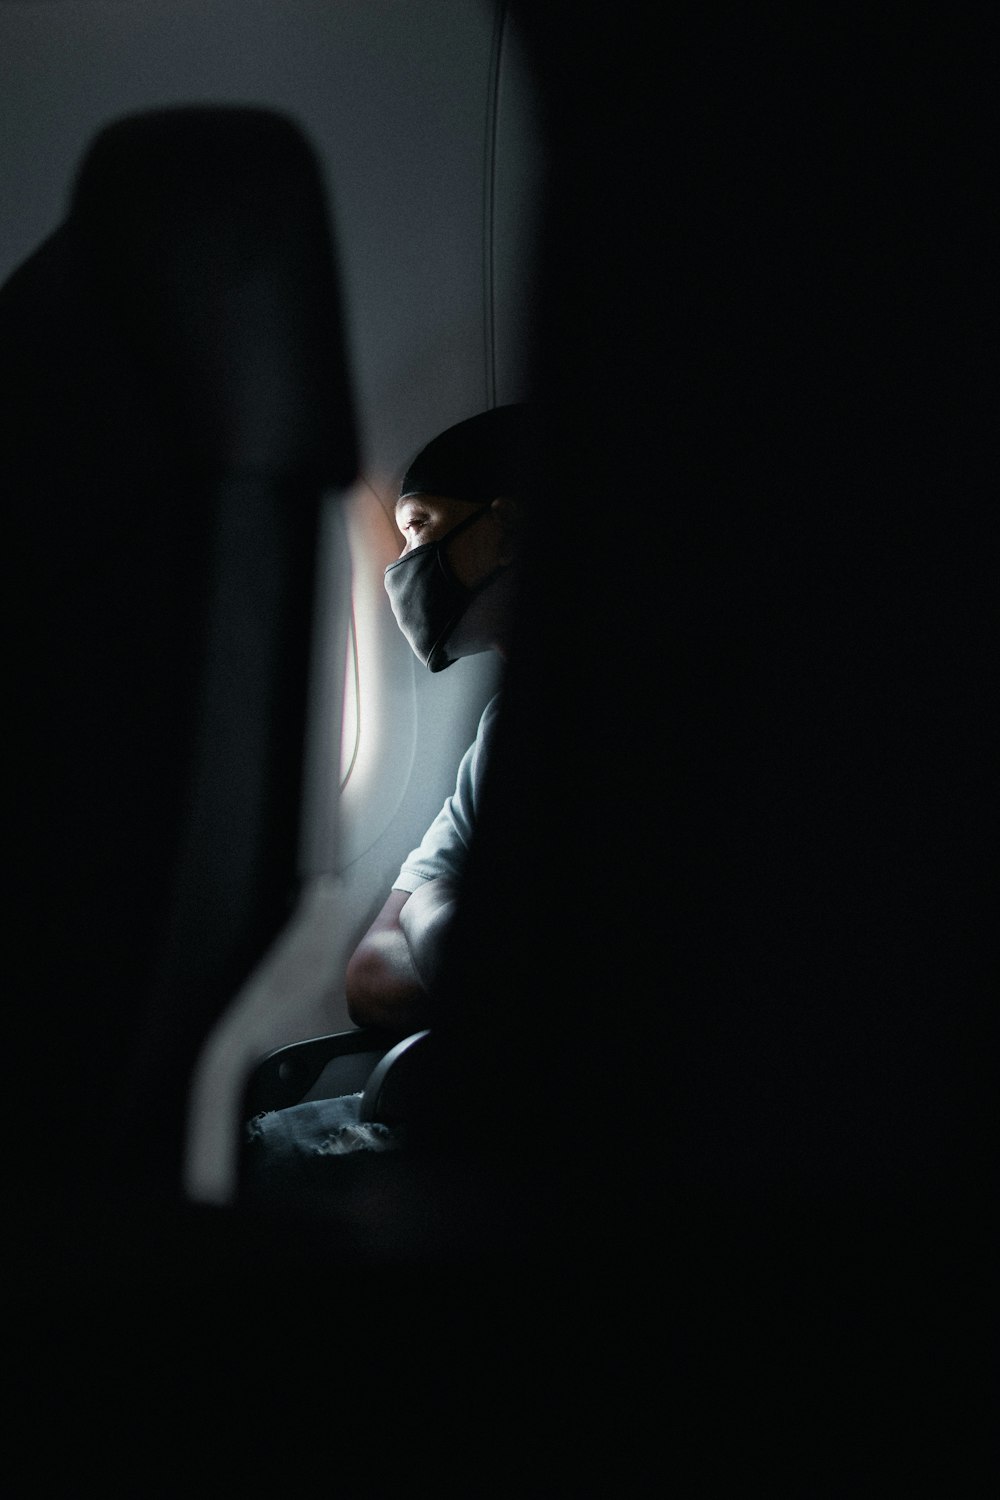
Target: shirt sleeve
[(443, 849)]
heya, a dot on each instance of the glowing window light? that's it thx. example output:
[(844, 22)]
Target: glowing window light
[(350, 739)]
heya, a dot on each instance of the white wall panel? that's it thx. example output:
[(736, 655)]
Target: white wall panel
[(425, 135)]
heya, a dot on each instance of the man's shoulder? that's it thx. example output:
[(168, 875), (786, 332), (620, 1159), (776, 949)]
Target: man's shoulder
[(487, 722), (491, 710)]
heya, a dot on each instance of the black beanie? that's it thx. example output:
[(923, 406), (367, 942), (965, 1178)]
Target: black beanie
[(478, 459)]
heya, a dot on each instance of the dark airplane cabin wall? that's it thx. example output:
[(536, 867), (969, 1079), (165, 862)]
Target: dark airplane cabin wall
[(736, 844)]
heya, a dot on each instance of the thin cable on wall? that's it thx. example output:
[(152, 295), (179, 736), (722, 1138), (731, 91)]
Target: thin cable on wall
[(489, 207)]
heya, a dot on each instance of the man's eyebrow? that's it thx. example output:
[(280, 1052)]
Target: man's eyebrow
[(412, 499)]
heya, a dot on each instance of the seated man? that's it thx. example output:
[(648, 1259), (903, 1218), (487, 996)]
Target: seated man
[(451, 590)]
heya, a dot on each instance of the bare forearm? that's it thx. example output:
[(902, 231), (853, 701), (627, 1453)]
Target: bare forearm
[(397, 961), (425, 919), (382, 985)]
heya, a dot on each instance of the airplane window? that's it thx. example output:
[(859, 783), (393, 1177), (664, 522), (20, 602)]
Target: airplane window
[(378, 710), (351, 706)]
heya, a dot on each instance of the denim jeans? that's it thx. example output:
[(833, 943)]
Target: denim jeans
[(287, 1152)]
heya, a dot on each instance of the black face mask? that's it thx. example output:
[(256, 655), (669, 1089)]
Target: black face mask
[(428, 600)]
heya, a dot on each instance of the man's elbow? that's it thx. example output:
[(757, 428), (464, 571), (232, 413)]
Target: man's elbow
[(378, 995), (362, 1010), (360, 990)]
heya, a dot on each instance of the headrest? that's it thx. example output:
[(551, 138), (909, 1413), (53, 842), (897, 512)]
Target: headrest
[(207, 237)]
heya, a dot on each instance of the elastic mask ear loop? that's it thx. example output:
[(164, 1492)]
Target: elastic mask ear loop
[(471, 594), (449, 571)]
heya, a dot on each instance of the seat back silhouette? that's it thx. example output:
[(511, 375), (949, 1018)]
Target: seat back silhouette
[(177, 405)]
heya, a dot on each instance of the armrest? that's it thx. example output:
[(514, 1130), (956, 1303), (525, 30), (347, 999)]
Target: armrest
[(320, 1068), (403, 1071)]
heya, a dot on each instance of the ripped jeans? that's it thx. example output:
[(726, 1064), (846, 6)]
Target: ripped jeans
[(287, 1152)]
